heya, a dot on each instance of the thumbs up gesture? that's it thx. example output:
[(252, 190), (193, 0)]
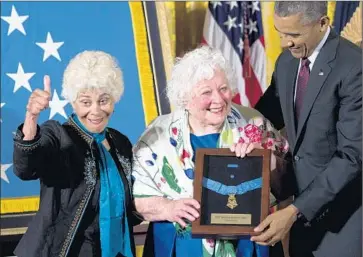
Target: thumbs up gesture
[(39, 99)]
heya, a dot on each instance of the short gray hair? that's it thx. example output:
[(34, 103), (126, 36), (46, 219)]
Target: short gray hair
[(195, 66), (92, 70), (310, 10)]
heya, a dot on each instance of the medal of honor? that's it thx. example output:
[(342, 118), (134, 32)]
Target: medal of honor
[(232, 202), (232, 191)]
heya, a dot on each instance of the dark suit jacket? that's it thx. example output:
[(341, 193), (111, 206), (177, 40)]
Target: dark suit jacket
[(65, 159), (326, 146)]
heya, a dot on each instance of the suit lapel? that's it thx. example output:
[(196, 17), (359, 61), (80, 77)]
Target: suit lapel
[(318, 75), (293, 66)]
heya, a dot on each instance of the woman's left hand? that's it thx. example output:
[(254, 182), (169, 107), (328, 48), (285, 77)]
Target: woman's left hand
[(242, 149)]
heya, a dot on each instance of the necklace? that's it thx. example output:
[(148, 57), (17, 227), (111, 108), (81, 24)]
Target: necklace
[(232, 191)]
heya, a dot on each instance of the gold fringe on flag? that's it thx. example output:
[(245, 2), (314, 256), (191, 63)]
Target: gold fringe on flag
[(143, 62), (331, 11), (19, 205), (353, 29), (272, 39)]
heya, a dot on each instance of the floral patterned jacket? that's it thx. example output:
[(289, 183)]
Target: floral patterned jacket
[(163, 156)]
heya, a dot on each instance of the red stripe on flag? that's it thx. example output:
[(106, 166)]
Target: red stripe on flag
[(252, 86), (262, 39), (237, 99)]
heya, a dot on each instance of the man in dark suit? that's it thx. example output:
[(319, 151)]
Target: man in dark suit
[(316, 94)]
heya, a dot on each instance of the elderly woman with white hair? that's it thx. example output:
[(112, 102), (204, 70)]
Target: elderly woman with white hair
[(200, 90), (84, 167)]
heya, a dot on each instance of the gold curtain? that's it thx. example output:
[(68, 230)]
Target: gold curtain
[(185, 24), (353, 29), (181, 28), (272, 39)]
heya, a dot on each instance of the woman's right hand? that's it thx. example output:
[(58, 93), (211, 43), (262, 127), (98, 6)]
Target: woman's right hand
[(181, 210), (39, 99)]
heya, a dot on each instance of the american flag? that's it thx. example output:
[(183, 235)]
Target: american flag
[(39, 38), (235, 28)]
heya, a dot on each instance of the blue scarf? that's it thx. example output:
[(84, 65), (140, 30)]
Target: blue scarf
[(114, 228)]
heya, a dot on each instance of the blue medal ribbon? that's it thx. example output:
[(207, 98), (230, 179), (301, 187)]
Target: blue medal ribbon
[(240, 189)]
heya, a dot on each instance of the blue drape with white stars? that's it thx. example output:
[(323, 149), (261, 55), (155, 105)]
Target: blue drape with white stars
[(40, 38)]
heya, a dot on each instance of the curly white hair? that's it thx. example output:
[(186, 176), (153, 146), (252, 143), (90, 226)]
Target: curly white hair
[(195, 66), (92, 70)]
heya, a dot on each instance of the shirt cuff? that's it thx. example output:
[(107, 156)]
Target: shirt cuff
[(26, 144)]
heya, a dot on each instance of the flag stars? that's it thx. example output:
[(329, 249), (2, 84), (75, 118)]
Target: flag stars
[(232, 5), (1, 106), (15, 21), (216, 4), (21, 78), (240, 45), (57, 106), (254, 7), (252, 26), (230, 23), (4, 168), (50, 48), (241, 27)]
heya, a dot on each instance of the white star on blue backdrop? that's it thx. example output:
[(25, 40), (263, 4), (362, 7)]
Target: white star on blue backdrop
[(40, 38)]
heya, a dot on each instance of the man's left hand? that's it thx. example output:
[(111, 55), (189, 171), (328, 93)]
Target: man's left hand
[(275, 226)]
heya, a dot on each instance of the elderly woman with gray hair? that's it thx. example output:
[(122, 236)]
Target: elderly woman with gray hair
[(84, 167), (200, 89)]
